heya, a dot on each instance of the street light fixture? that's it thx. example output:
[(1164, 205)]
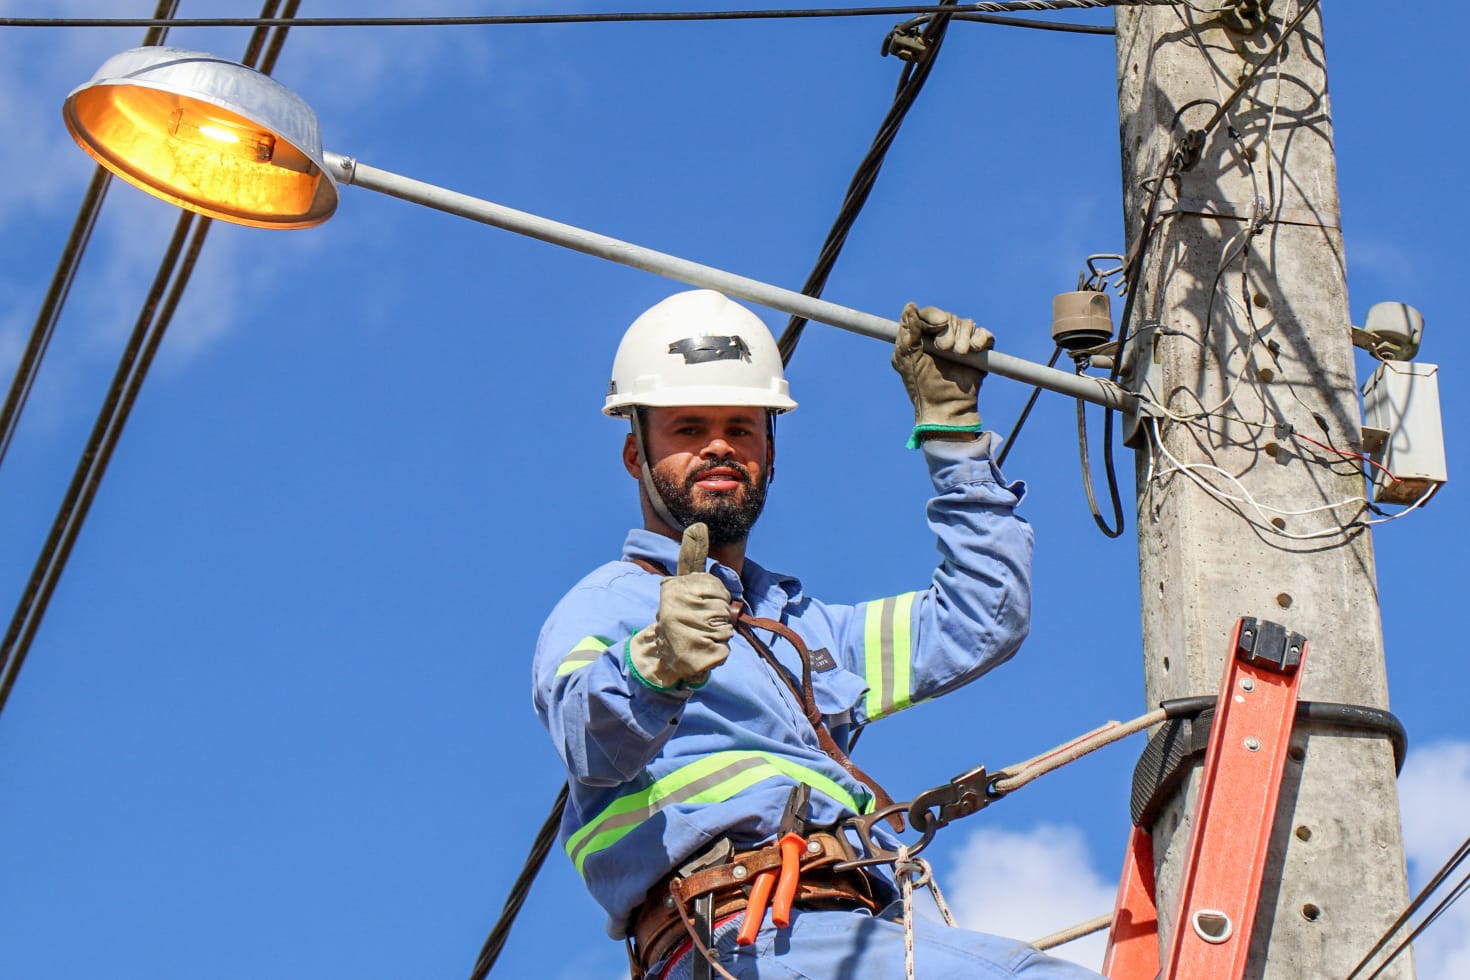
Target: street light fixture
[(206, 134), (213, 136)]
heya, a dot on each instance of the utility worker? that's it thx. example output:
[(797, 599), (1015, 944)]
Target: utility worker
[(703, 704)]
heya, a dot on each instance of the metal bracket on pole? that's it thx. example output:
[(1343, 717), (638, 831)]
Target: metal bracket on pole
[(1240, 784), (350, 171)]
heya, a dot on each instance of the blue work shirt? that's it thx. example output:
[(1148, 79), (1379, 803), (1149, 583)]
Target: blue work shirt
[(658, 775)]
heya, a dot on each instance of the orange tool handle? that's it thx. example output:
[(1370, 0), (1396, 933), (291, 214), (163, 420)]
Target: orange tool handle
[(793, 846), (755, 907)]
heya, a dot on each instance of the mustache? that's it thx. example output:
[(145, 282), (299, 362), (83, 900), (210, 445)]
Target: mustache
[(716, 464)]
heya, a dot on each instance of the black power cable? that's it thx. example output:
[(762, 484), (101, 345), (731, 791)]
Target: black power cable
[(1039, 25), (910, 84), (973, 11), (1000, 459), (131, 370), (40, 339), (157, 312), (1447, 869), (1113, 494), (66, 270), (540, 847)]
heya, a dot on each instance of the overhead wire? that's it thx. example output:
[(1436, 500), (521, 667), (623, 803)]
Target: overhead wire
[(159, 306), (29, 365), (911, 82), (1448, 868), (973, 11), (1005, 450), (540, 847)]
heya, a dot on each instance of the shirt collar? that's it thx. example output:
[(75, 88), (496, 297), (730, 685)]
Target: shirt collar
[(762, 585)]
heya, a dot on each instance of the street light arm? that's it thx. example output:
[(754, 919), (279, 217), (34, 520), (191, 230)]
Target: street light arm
[(347, 170)]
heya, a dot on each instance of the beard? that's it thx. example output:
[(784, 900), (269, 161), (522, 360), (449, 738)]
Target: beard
[(729, 516)]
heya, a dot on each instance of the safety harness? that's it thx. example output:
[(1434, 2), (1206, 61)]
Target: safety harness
[(716, 883)]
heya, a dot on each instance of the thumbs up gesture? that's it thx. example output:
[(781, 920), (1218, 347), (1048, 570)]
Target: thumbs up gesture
[(691, 635)]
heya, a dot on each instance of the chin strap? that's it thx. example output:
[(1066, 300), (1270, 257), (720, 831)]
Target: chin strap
[(655, 499)]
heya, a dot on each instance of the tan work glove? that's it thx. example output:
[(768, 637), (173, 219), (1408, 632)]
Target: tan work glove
[(944, 392), (692, 634)]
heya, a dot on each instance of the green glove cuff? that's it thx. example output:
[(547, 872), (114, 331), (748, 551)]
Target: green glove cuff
[(681, 686), (628, 659), (920, 431)]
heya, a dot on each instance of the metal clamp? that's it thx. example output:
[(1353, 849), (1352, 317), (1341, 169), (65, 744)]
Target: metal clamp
[(968, 793), (906, 43)]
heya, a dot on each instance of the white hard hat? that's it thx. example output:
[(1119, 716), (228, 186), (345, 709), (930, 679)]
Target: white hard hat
[(697, 348)]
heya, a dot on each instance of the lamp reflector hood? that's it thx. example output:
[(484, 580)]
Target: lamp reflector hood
[(206, 134)]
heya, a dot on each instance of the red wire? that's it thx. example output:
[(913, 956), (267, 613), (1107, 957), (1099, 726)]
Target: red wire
[(1362, 456)]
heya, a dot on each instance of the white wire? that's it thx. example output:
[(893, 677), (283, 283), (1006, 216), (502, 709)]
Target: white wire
[(1187, 469), (1241, 238)]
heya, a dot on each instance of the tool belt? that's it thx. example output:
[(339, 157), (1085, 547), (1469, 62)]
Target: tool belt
[(658, 928)]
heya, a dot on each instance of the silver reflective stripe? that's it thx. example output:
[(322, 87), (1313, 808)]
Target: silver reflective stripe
[(711, 779), (888, 655), (588, 649)]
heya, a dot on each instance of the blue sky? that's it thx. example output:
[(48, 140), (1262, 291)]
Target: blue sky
[(277, 722)]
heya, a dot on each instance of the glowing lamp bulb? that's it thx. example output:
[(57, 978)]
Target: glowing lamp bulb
[(215, 135)]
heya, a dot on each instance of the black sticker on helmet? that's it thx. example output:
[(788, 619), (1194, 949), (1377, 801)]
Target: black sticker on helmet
[(698, 350)]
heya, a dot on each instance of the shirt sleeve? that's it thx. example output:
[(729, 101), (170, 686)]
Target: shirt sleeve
[(606, 722), (977, 609)]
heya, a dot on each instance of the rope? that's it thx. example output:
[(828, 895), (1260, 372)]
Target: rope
[(912, 873), (905, 868), (1064, 936), (1014, 777)]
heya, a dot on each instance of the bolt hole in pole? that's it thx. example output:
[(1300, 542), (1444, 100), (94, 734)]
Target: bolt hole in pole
[(1296, 753), (1311, 912), (1304, 832), (1212, 925)]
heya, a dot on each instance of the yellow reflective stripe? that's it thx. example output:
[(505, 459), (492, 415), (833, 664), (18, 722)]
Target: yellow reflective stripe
[(588, 649), (888, 655), (712, 779), (873, 658), (903, 652)]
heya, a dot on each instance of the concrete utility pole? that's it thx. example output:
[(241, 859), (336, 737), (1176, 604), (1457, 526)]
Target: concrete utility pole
[(1280, 342)]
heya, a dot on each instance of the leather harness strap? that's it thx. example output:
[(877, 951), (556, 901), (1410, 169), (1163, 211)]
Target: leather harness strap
[(746, 625), (807, 699)]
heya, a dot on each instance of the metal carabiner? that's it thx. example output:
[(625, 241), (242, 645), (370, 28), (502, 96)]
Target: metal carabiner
[(969, 792), (875, 851)]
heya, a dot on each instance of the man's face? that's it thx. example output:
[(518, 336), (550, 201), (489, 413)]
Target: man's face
[(709, 464)]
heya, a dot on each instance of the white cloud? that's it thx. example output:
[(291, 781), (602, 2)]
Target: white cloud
[(1027, 884), (38, 67), (1434, 794)]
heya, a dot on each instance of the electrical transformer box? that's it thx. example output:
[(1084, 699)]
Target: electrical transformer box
[(1402, 430)]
